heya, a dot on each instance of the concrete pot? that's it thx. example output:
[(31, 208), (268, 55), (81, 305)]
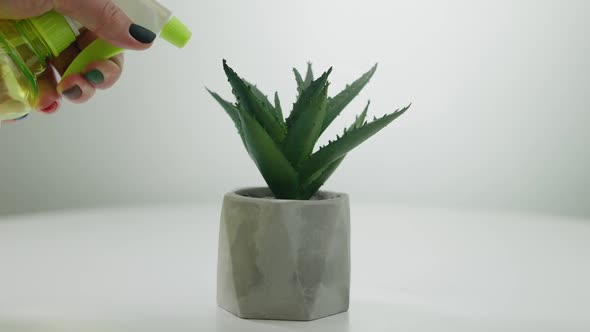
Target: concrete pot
[(284, 259)]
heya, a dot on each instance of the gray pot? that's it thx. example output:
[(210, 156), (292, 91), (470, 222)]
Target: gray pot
[(283, 259)]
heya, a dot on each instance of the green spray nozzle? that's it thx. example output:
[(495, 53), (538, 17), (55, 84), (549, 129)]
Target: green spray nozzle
[(59, 32), (174, 32)]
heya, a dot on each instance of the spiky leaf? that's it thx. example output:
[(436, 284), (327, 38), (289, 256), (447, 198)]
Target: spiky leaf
[(278, 173), (341, 147), (300, 82), (231, 110), (257, 109), (308, 76), (305, 122), (310, 189), (266, 102), (360, 120), (303, 84), (313, 184), (259, 94), (279, 108), (337, 104)]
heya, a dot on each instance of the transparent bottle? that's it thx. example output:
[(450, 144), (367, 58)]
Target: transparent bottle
[(23, 57), (26, 46)]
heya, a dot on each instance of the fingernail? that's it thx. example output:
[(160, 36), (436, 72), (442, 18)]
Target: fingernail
[(51, 108), (94, 76), (73, 93), (142, 34)]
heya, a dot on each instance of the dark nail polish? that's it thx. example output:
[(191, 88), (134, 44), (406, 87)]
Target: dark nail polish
[(142, 34), (94, 76), (73, 93)]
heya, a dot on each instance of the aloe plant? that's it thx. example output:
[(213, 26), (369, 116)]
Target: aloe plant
[(283, 149)]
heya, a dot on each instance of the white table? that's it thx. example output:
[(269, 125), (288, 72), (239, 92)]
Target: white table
[(153, 269)]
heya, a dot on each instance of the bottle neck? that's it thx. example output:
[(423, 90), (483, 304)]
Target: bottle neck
[(34, 40), (22, 59), (22, 43), (25, 56)]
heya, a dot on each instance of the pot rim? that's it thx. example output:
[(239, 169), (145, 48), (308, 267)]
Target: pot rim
[(331, 196)]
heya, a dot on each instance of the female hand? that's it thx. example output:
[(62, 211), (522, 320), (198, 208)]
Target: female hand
[(101, 18)]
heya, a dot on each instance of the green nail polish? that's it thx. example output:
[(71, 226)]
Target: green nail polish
[(94, 76)]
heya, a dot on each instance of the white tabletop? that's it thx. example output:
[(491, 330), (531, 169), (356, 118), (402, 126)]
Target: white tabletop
[(153, 269)]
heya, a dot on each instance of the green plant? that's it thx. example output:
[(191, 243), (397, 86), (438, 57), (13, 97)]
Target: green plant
[(283, 150)]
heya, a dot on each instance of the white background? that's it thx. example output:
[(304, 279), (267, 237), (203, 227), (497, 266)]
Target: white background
[(500, 117)]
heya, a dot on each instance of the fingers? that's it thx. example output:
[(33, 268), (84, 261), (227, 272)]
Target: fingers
[(76, 89), (103, 17), (49, 100), (79, 88), (101, 75), (19, 9), (108, 21)]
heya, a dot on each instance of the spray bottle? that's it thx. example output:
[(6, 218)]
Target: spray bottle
[(27, 45)]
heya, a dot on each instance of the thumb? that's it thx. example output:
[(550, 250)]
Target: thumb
[(107, 21)]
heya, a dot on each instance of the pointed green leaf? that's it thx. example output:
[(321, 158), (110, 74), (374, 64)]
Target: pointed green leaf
[(337, 104), (310, 189), (308, 76), (301, 83), (266, 102), (361, 119), (231, 110), (279, 108), (305, 122), (307, 98), (259, 94), (315, 182), (278, 173), (299, 80), (257, 109), (341, 147)]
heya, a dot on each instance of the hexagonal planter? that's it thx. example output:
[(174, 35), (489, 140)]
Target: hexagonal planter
[(284, 259)]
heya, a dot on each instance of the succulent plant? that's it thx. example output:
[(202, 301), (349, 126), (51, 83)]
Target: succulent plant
[(283, 149)]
